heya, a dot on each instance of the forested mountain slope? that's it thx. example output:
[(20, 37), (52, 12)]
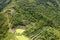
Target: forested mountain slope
[(41, 18)]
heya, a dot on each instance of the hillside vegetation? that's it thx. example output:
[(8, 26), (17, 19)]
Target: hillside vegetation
[(39, 18)]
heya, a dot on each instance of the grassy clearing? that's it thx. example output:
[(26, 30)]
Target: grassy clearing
[(20, 37), (19, 31)]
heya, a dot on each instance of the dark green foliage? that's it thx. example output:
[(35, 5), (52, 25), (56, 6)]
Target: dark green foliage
[(44, 13), (3, 26)]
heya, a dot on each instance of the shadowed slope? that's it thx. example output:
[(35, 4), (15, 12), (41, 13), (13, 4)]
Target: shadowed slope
[(4, 3)]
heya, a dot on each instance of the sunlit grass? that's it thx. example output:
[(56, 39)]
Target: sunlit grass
[(19, 31), (21, 37)]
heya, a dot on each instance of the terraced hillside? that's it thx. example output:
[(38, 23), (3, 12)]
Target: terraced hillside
[(39, 18), (45, 15)]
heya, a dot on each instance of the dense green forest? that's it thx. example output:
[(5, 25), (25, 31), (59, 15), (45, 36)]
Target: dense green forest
[(39, 18)]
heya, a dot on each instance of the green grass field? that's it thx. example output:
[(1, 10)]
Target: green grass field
[(21, 37)]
